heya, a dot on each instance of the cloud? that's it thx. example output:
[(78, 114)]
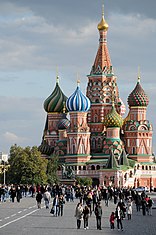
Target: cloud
[(12, 138)]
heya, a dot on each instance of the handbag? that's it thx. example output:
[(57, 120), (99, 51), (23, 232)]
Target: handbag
[(52, 210)]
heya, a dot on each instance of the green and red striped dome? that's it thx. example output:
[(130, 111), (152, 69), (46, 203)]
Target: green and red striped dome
[(55, 102), (138, 96)]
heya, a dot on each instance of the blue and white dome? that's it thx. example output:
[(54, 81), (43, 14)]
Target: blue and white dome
[(78, 102)]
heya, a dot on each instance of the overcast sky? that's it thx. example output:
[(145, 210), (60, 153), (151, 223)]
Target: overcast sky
[(36, 36)]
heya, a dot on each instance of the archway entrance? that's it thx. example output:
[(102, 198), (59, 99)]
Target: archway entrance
[(95, 181)]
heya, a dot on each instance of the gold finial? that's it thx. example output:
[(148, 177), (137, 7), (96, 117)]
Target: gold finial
[(139, 74), (78, 82), (64, 107), (103, 10), (57, 76), (103, 24)]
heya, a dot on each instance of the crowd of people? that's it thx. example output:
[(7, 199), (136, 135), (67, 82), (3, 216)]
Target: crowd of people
[(89, 201)]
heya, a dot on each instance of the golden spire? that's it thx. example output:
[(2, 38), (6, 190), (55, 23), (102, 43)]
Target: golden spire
[(139, 74), (103, 24)]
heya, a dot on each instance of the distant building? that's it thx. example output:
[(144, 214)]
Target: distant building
[(97, 142)]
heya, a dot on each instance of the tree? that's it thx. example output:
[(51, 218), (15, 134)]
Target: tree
[(52, 168), (26, 166), (87, 181)]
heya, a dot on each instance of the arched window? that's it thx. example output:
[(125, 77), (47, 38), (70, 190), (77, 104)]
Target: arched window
[(73, 149), (93, 143), (80, 168), (97, 101), (84, 168), (133, 150), (97, 167), (142, 167), (93, 167), (150, 168), (147, 168), (95, 118)]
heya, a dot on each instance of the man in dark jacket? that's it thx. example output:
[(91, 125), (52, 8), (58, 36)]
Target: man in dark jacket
[(98, 214)]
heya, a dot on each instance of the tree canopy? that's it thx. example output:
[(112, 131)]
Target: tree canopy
[(26, 166)]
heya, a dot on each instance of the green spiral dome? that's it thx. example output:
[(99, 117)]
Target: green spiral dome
[(113, 119), (55, 102)]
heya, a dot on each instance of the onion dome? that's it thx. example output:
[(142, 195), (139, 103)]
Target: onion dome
[(113, 119), (103, 24), (63, 124), (45, 148), (122, 107), (55, 102), (77, 101), (138, 96)]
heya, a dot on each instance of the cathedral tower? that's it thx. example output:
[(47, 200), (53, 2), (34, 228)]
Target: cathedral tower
[(54, 106), (100, 88), (78, 136), (137, 129)]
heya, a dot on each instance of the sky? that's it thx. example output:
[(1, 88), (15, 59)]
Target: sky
[(38, 36)]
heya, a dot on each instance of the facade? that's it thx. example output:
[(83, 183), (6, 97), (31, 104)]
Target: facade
[(96, 141)]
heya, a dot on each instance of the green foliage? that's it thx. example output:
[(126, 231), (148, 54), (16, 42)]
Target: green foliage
[(52, 167), (26, 166), (86, 181)]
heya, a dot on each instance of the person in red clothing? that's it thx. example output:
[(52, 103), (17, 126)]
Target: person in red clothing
[(112, 219)]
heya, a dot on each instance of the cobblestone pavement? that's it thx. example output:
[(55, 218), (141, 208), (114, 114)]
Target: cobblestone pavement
[(40, 222)]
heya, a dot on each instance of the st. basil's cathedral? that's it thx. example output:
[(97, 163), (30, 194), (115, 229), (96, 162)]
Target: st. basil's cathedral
[(96, 141)]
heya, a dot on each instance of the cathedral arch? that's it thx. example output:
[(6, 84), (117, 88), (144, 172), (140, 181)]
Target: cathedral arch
[(84, 168), (107, 101), (95, 118), (93, 143), (97, 167), (97, 101), (92, 167), (142, 128), (132, 128)]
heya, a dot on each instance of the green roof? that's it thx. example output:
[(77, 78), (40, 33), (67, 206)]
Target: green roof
[(97, 161)]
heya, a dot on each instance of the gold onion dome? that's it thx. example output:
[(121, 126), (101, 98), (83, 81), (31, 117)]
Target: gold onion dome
[(103, 24), (113, 119)]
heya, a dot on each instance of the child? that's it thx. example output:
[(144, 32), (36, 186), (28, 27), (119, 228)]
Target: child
[(112, 218)]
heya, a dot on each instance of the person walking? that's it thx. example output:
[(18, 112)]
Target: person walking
[(86, 213), (144, 205), (111, 220), (47, 198), (150, 204), (118, 215), (56, 205), (61, 204), (129, 209), (18, 194), (79, 214), (39, 199), (98, 214)]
